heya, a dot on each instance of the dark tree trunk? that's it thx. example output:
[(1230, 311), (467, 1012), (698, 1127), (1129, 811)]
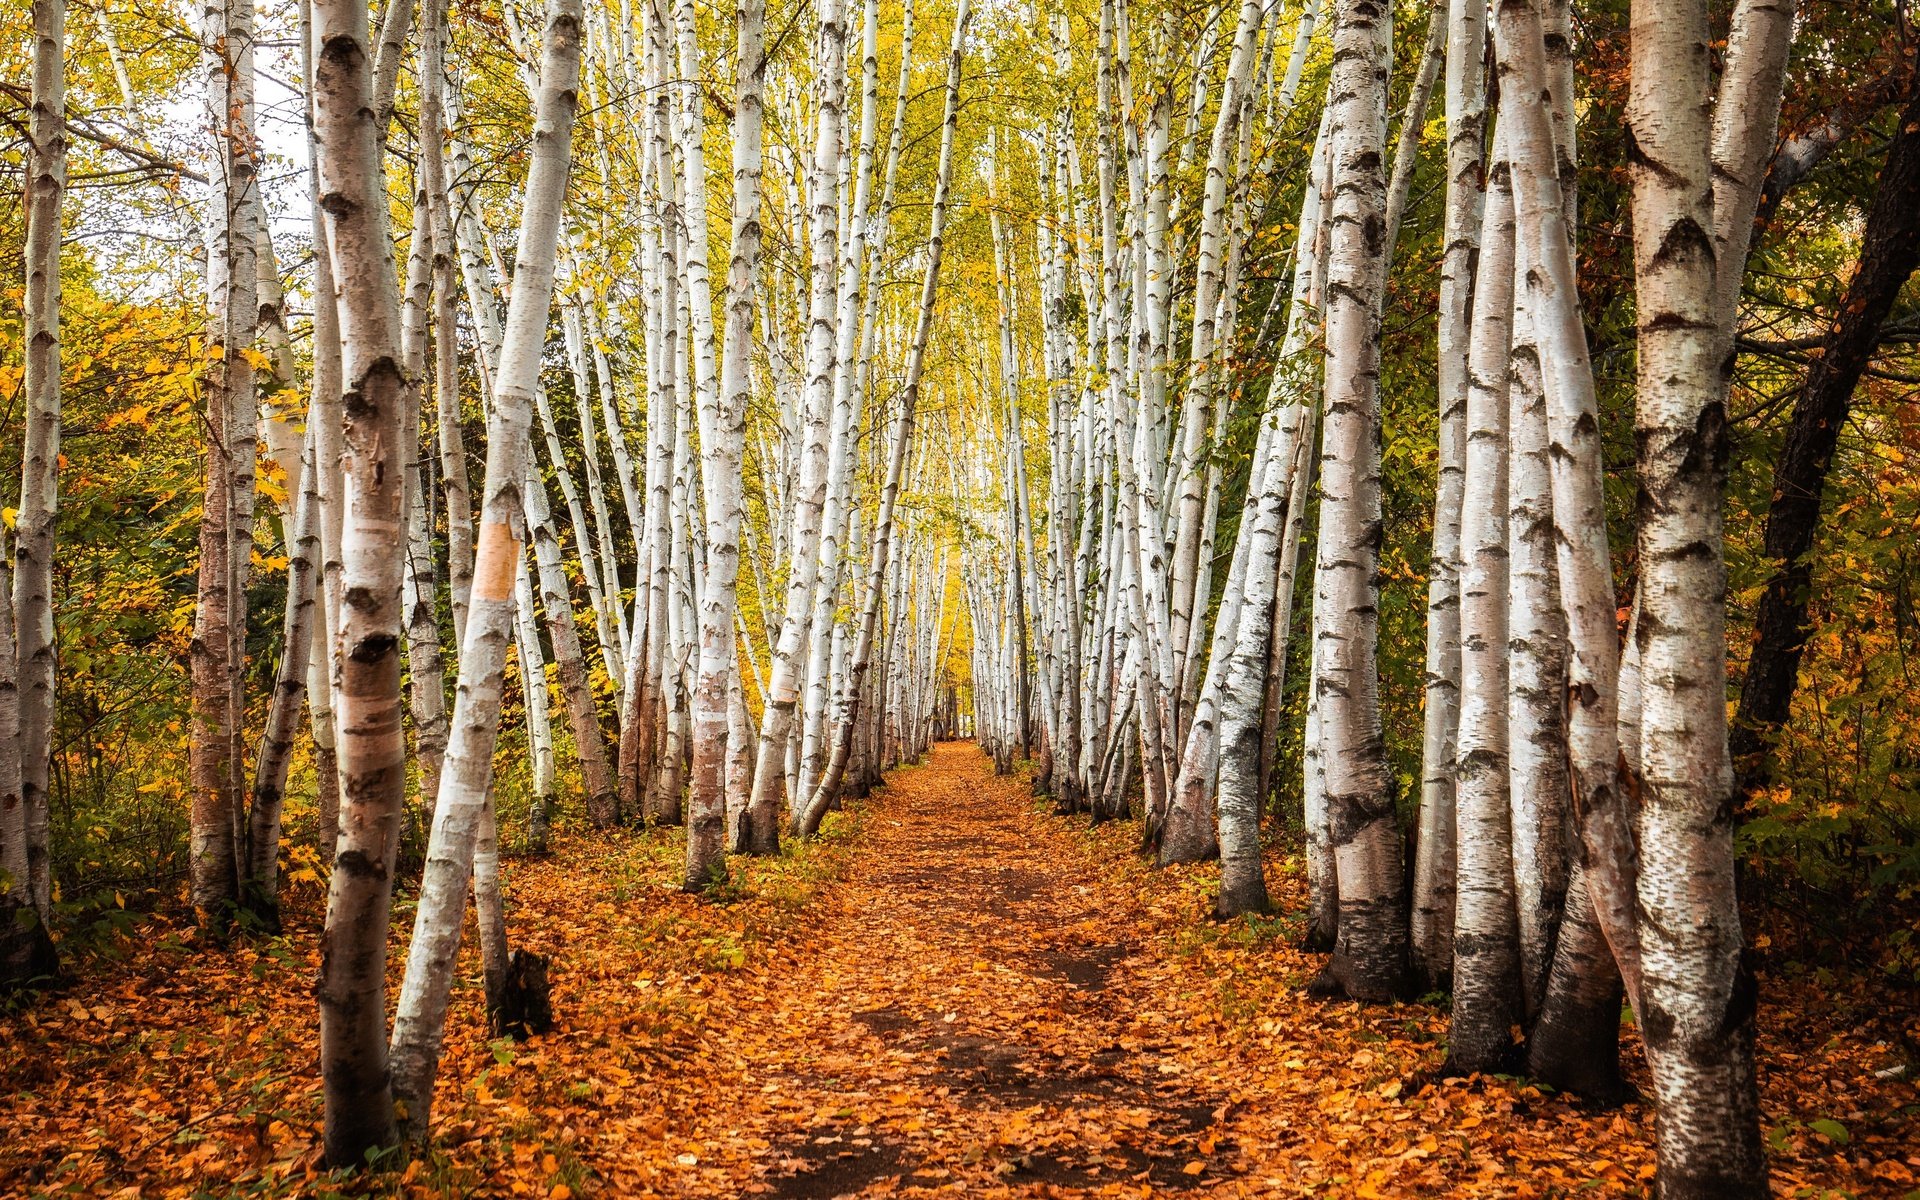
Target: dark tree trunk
[(1889, 252)]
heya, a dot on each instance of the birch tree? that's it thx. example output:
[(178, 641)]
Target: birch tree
[(715, 694), (1466, 105), (1694, 192), (807, 821), (763, 815), (218, 760), (372, 746), (509, 505), (1370, 956), (1486, 966), (27, 644)]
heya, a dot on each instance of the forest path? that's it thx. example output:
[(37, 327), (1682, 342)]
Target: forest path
[(960, 1020)]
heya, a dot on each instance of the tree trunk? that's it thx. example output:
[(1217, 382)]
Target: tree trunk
[(1370, 957), (763, 813), (508, 506), (260, 887), (217, 756), (1486, 958), (715, 692), (372, 746), (27, 677), (1434, 846), (1696, 1000), (808, 820), (1889, 253), (1544, 250)]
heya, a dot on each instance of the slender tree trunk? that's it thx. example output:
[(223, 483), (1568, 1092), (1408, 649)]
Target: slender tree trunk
[(1538, 781), (508, 506), (533, 696), (563, 630), (372, 746), (454, 480), (1544, 252), (217, 759), (26, 948), (1243, 887), (27, 689), (808, 821), (1370, 957), (1434, 847), (324, 417), (1486, 958), (1889, 254), (715, 692), (420, 584), (260, 887), (763, 814)]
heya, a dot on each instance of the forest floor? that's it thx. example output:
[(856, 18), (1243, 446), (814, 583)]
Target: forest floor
[(952, 991)]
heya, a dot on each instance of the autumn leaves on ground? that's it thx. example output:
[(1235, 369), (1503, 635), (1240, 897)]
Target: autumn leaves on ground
[(954, 990)]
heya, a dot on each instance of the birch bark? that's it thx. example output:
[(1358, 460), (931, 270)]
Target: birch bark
[(1692, 213), (1486, 958), (763, 814), (719, 726), (508, 507), (1370, 957), (372, 747), (1435, 841), (217, 655), (27, 640), (808, 821)]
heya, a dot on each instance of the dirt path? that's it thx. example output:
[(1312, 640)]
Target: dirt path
[(961, 1022)]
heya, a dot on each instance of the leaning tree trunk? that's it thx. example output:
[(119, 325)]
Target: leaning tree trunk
[(1370, 956), (1243, 885), (763, 812), (460, 817), (372, 744), (1545, 259), (1889, 253), (260, 885)]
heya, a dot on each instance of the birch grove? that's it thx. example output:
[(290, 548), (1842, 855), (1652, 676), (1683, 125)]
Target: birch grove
[(1361, 510)]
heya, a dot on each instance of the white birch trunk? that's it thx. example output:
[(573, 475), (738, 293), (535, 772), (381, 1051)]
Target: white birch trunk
[(824, 207), (808, 821), (467, 777), (1486, 958), (1370, 960), (1693, 188), (28, 671), (720, 732), (1435, 840)]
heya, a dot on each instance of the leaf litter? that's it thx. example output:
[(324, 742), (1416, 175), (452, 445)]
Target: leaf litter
[(953, 991)]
